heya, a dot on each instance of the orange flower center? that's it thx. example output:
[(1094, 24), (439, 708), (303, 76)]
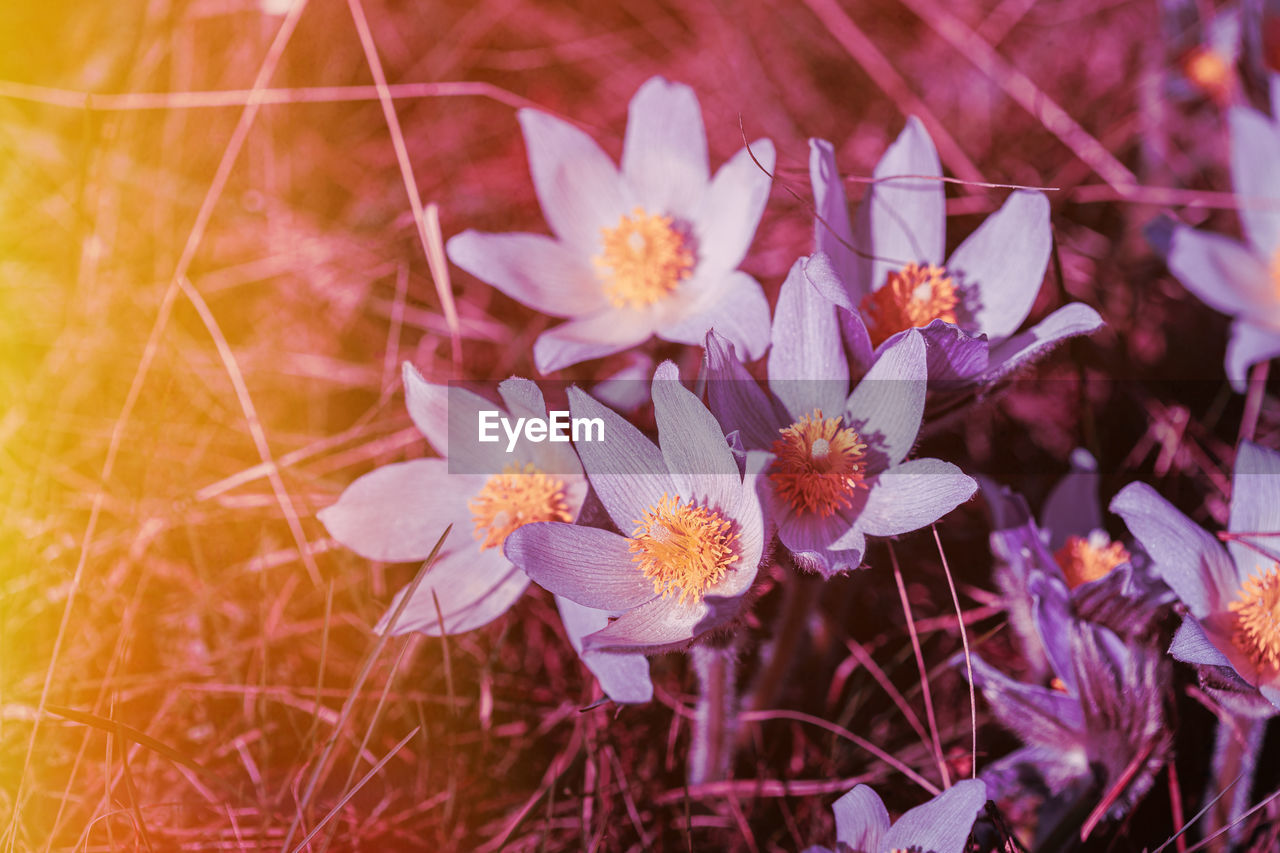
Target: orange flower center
[(1084, 559), (514, 498), (913, 296), (1210, 71), (685, 547), (1257, 611), (818, 464), (643, 260)]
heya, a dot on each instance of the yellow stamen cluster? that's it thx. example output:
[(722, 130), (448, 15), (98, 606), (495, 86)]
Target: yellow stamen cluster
[(514, 498), (818, 464), (1257, 611), (643, 260), (685, 547), (915, 295), (1084, 559)]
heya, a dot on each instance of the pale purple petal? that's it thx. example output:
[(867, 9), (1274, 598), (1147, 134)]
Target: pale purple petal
[(523, 399), (627, 388), (1249, 345), (736, 399), (826, 279), (954, 354), (726, 221), (578, 186), (905, 218), (914, 495), (428, 406), (941, 825), (626, 469), (745, 511), (1053, 619), (591, 566), (807, 367), (1068, 321), (693, 445), (532, 269), (733, 304), (811, 538), (1035, 714), (886, 406), (833, 234), (1191, 561), (1222, 274), (664, 157), (1192, 645), (602, 334), (1255, 176), (662, 624), (861, 819), (1004, 262), (1255, 508), (396, 513), (623, 677), (1073, 507), (472, 587)]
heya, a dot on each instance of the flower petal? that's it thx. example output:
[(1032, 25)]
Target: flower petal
[(736, 399), (725, 222), (396, 513), (941, 825), (954, 354), (833, 234), (661, 625), (1004, 262), (1255, 508), (532, 269), (590, 566), (523, 399), (807, 368), (472, 587), (1068, 321), (1191, 561), (664, 157), (626, 469), (861, 819), (1255, 176), (1249, 345), (610, 331), (697, 456), (1221, 273), (578, 186), (904, 219), (623, 677), (812, 539), (1192, 645), (428, 406), (733, 304), (886, 406), (1073, 508), (913, 495)]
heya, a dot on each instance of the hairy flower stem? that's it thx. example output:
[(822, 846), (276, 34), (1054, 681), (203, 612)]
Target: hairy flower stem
[(715, 718), (801, 595), (1253, 400), (1235, 758)]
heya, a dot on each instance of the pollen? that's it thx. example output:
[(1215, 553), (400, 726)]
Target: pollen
[(1257, 611), (1084, 559), (644, 259), (819, 464), (684, 548), (913, 296), (514, 498)]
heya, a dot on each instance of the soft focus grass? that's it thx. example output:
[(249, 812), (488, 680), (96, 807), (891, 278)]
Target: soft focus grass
[(197, 618)]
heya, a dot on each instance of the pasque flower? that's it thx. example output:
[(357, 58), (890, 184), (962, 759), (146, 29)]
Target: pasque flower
[(941, 825), (1231, 630), (839, 473), (692, 537), (652, 249), (969, 306), (1241, 280), (397, 513)]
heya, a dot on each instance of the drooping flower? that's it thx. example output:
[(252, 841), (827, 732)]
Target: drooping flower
[(396, 513), (942, 825), (652, 249), (1242, 281), (839, 473), (1231, 630), (693, 533), (970, 306)]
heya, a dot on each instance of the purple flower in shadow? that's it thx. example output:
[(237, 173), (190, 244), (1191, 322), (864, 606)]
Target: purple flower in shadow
[(1242, 281), (652, 249), (941, 825), (696, 530), (839, 474), (970, 307), (396, 513), (1231, 629)]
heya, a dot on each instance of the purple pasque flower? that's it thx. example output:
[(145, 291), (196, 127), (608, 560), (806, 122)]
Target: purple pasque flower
[(969, 307), (1242, 281), (839, 473), (694, 531), (396, 513), (652, 249), (942, 825), (1231, 629)]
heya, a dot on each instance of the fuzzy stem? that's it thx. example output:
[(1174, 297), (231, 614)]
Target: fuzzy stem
[(715, 718), (1253, 400), (1235, 758), (801, 594)]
